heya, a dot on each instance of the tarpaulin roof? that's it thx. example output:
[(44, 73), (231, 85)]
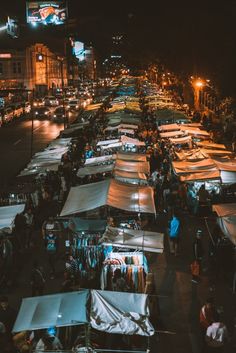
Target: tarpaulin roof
[(118, 312), (58, 310), (80, 225), (7, 216), (113, 312), (112, 145), (181, 140), (107, 142), (134, 239), (99, 160), (126, 156), (126, 131), (194, 131), (169, 127), (91, 170), (127, 197), (132, 178), (185, 167), (194, 154), (130, 141), (201, 176), (171, 134), (227, 219), (132, 166), (208, 144)]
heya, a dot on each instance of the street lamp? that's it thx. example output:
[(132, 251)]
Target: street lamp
[(197, 86)]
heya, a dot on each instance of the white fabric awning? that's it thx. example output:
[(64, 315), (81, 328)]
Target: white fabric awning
[(7, 216), (181, 140), (169, 127), (171, 134), (112, 193), (138, 157), (130, 141), (201, 176), (91, 170), (134, 239), (227, 219), (194, 131), (185, 167), (99, 160), (208, 144), (112, 145), (107, 142), (132, 166), (126, 131), (118, 312), (67, 309)]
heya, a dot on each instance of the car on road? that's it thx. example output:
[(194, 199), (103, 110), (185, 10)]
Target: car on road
[(8, 115), (18, 110), (51, 101), (26, 107), (73, 104), (43, 113), (59, 114), (39, 102)]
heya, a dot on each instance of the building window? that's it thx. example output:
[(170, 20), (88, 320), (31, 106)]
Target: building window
[(17, 68), (1, 68)]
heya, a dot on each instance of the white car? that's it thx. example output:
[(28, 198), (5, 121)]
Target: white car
[(8, 115), (74, 104), (51, 101)]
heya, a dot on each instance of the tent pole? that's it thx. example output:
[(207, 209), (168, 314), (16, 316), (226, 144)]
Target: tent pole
[(205, 219)]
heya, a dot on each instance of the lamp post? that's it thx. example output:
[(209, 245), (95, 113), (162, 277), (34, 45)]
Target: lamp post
[(60, 60), (197, 86)]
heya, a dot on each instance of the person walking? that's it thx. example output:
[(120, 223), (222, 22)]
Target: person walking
[(29, 217), (174, 233), (37, 280), (216, 336), (51, 245)]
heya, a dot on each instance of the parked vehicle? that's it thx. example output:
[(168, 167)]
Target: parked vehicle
[(8, 115), (26, 107), (38, 102), (43, 113), (18, 110)]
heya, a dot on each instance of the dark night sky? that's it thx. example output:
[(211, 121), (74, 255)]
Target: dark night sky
[(188, 35)]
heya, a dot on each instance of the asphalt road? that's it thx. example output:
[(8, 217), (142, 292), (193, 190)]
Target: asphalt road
[(15, 144)]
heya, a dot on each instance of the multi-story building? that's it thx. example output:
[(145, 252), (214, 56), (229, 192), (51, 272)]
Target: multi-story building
[(34, 68)]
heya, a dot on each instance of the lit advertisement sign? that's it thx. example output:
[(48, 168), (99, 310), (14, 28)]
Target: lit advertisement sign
[(46, 12), (78, 50)]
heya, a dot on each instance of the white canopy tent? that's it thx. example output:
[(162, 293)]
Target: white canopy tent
[(181, 140), (7, 216), (134, 239), (60, 310), (211, 145), (126, 131), (138, 157), (227, 219), (112, 312), (171, 134), (99, 160), (91, 170), (118, 312), (107, 142), (112, 193), (169, 127), (132, 166), (130, 141)]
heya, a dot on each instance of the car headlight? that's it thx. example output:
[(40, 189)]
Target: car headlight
[(36, 113), (46, 113), (54, 116)]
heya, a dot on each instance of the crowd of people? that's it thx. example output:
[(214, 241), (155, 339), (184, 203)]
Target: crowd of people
[(173, 199)]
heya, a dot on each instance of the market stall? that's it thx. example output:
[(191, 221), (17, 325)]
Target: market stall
[(7, 217), (112, 193), (227, 219)]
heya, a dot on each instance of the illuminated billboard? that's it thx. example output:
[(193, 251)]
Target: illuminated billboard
[(78, 50), (46, 12)]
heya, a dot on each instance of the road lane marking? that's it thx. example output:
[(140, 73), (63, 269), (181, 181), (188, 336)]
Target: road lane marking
[(16, 143)]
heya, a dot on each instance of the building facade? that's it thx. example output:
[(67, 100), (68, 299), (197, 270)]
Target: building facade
[(34, 68)]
